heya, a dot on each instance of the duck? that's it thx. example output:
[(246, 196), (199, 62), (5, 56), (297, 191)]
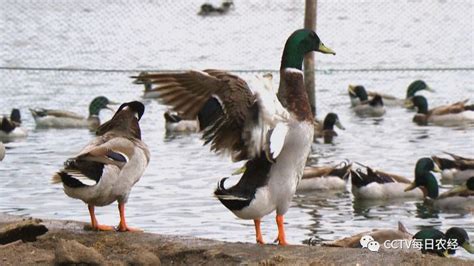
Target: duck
[(380, 185), (175, 123), (208, 9), (148, 92), (457, 170), (326, 130), (413, 88), (443, 244), (252, 125), (361, 104), (455, 114), (2, 151), (49, 118), (325, 177), (379, 235), (10, 128), (458, 199), (106, 169)]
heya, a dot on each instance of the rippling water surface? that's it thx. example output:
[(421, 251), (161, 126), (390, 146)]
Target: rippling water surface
[(175, 194)]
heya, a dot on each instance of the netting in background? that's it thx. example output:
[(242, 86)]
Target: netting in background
[(111, 39)]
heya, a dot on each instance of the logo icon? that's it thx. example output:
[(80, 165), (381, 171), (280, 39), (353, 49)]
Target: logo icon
[(369, 243)]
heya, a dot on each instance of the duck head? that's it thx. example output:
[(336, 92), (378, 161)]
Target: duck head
[(415, 86), (15, 116), (299, 43), (144, 81), (376, 101), (424, 179), (420, 103), (125, 121), (99, 103), (358, 91), (332, 120), (460, 235)]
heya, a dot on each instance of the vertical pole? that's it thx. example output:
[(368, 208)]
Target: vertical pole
[(309, 74)]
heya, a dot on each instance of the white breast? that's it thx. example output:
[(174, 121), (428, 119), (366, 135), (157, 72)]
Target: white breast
[(376, 191), (286, 173)]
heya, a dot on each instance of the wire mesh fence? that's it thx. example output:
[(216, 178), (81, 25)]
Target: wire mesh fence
[(119, 38)]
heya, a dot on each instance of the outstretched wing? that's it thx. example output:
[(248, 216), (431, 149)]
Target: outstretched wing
[(233, 117)]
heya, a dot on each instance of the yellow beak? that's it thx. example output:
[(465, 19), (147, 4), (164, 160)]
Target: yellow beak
[(436, 169), (325, 50), (350, 89), (468, 247), (410, 187), (409, 103)]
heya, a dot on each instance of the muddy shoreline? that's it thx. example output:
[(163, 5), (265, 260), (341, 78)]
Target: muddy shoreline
[(67, 242)]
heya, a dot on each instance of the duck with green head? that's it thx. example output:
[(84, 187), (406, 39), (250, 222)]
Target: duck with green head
[(435, 241), (50, 118), (457, 199), (253, 126), (362, 105), (413, 88), (380, 185), (326, 129), (456, 114)]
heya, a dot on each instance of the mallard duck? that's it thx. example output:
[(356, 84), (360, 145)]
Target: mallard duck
[(106, 169), (208, 9), (379, 235), (250, 124), (175, 123), (447, 115), (413, 88), (458, 199), (376, 184), (434, 241), (2, 151), (361, 104), (457, 170), (10, 128), (48, 118), (325, 177), (326, 129)]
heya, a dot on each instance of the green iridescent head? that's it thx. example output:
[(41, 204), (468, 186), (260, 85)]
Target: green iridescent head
[(98, 104), (300, 43), (416, 86), (420, 103), (460, 236), (424, 178)]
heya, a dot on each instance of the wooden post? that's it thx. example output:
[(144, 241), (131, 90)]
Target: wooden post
[(309, 74)]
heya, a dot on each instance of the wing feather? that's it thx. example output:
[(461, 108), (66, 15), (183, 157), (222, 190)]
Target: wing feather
[(237, 118)]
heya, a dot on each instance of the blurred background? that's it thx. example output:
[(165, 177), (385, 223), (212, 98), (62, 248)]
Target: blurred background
[(62, 53)]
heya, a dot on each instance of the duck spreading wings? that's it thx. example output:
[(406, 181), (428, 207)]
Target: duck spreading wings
[(250, 123)]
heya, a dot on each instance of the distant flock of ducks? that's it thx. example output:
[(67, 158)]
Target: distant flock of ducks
[(247, 122)]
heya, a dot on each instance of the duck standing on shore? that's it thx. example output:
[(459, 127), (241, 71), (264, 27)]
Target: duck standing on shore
[(250, 124), (107, 168)]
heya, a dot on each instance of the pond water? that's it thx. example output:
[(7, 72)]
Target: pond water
[(175, 194)]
